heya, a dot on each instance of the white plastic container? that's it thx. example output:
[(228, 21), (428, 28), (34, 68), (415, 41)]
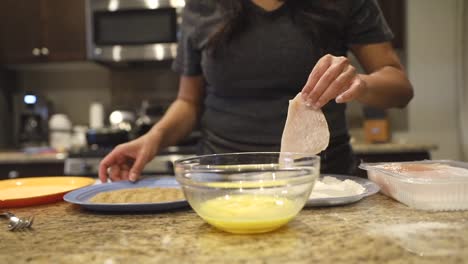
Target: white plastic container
[(60, 128), (78, 138), (437, 185), (96, 115)]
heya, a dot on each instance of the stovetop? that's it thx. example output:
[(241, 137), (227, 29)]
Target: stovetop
[(85, 161), (101, 152), (89, 152)]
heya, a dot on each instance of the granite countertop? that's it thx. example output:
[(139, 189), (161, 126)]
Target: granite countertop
[(392, 147), (376, 229), (12, 156)]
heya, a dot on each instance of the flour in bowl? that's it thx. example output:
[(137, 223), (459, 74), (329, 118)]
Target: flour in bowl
[(331, 187)]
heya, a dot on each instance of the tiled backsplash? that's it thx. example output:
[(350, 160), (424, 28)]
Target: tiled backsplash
[(132, 85), (72, 87)]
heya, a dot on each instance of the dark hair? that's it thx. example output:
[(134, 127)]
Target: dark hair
[(319, 19)]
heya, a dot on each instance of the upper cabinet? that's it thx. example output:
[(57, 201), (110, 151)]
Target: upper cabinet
[(42, 31)]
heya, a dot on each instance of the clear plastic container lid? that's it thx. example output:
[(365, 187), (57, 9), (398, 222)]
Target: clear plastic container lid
[(426, 171), (436, 185)]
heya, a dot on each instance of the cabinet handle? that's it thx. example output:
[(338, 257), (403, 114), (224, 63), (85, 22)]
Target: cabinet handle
[(45, 51), (13, 174), (36, 52)]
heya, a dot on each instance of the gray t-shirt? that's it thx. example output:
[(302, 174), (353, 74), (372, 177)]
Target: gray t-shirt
[(249, 84)]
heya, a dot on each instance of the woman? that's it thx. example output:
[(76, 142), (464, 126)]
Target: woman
[(240, 62)]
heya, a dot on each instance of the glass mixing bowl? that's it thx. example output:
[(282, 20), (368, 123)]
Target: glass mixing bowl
[(251, 192)]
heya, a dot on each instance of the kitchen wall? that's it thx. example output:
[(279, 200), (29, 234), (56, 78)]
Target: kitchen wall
[(72, 87), (433, 63), (156, 83), (464, 82)]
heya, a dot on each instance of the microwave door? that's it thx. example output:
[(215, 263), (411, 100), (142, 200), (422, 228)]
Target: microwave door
[(133, 34)]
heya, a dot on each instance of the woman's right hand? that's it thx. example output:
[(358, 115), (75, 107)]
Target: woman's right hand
[(126, 161)]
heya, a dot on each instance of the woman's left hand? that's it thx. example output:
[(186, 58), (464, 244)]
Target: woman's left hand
[(332, 78)]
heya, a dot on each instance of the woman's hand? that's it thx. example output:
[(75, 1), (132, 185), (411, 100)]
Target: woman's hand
[(127, 160), (332, 78)]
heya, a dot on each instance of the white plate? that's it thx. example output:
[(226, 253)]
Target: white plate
[(370, 188)]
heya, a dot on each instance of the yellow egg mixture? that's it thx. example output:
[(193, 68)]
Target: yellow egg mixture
[(248, 213)]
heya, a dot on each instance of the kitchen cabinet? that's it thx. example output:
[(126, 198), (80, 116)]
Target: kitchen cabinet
[(6, 108), (15, 164), (42, 31), (21, 169), (395, 13)]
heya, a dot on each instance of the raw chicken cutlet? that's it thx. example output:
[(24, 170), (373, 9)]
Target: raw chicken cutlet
[(306, 129)]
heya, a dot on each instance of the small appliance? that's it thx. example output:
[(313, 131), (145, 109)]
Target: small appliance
[(30, 121)]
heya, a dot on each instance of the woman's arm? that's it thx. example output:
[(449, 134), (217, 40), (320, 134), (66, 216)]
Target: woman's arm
[(126, 161), (182, 116), (386, 81), (384, 85)]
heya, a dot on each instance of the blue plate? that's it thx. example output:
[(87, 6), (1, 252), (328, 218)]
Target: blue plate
[(81, 196), (370, 188)]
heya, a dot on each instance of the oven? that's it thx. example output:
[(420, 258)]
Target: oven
[(133, 30)]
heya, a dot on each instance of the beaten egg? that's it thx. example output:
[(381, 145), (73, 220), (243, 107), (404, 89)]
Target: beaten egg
[(247, 213)]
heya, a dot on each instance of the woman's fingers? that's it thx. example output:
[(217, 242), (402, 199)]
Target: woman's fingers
[(137, 167), (115, 173), (124, 172), (332, 78), (356, 88), (337, 87), (320, 68), (113, 165), (105, 164), (334, 70)]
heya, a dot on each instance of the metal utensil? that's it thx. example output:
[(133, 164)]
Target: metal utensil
[(17, 223)]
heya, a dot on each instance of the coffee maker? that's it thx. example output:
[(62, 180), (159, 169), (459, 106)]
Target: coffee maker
[(30, 121)]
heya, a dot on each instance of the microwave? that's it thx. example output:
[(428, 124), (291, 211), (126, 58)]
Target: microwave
[(133, 30)]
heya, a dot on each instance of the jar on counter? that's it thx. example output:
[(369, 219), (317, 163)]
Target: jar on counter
[(60, 132), (96, 115), (78, 138)]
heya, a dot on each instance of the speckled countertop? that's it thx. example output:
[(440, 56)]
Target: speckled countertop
[(376, 230), (391, 147), (7, 157)]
